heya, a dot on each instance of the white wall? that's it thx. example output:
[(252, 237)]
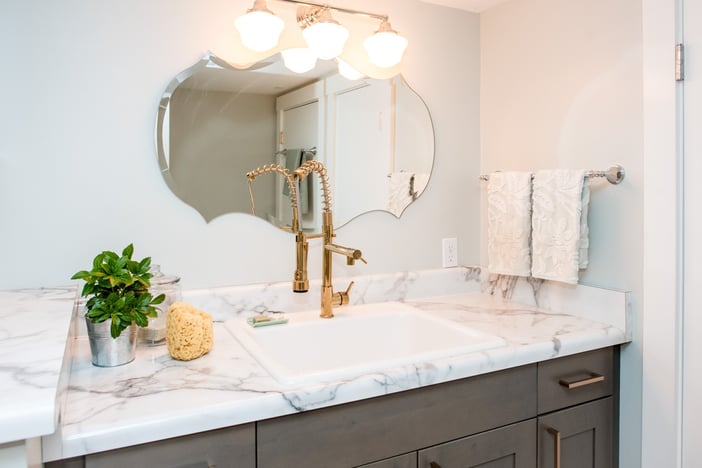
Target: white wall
[(561, 87), (80, 84)]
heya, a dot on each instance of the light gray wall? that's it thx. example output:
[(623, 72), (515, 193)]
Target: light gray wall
[(562, 87), (80, 84), (216, 138)]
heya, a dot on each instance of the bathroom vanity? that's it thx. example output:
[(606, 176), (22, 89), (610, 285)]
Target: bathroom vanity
[(504, 406), (505, 418)]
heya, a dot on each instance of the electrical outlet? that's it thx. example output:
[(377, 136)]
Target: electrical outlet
[(449, 252)]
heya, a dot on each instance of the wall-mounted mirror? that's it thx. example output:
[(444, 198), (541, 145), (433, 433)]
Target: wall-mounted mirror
[(216, 123)]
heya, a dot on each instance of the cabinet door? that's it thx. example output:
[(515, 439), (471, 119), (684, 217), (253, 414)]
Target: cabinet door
[(408, 460), (507, 447), (578, 437), (231, 447)]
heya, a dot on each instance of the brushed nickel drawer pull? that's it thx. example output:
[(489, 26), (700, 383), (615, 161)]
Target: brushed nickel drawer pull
[(557, 446), (594, 378)]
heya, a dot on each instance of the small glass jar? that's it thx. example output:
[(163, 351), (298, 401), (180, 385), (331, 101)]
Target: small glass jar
[(155, 332)]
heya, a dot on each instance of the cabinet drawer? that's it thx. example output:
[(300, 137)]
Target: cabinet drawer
[(408, 460), (231, 447), (511, 446), (571, 380), (379, 428)]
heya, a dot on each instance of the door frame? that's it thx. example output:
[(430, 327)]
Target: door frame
[(662, 316)]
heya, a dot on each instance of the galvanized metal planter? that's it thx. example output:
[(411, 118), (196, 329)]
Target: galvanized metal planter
[(107, 351)]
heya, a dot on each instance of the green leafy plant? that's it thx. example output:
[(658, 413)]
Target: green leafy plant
[(118, 289)]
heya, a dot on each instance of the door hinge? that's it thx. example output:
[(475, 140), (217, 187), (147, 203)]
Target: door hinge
[(679, 62)]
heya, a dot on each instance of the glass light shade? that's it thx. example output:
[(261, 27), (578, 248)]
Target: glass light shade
[(326, 39), (299, 60), (385, 48), (259, 30), (348, 72)]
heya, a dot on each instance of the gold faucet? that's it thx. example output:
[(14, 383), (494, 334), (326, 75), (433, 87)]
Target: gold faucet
[(300, 281), (329, 297)]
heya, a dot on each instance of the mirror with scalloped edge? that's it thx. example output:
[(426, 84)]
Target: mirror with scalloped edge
[(216, 123)]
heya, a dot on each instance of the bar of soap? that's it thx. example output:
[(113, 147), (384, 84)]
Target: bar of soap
[(189, 332)]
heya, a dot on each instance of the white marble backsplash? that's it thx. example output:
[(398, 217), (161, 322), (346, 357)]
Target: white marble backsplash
[(225, 303), (585, 301)]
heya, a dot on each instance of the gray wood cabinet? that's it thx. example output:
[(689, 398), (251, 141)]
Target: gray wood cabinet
[(378, 428), (408, 460), (232, 447), (557, 413), (576, 411), (578, 437), (507, 447)]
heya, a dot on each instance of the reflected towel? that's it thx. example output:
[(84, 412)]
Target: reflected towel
[(559, 225), (399, 195), (509, 223), (292, 162), (304, 184), (421, 179), (294, 158)]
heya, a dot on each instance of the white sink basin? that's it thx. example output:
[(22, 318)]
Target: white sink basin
[(358, 340)]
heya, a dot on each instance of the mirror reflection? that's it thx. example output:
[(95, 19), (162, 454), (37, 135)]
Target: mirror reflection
[(216, 123)]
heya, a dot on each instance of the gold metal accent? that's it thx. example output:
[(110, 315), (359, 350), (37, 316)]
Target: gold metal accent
[(329, 297), (593, 379), (300, 281), (336, 8), (307, 168), (557, 446)]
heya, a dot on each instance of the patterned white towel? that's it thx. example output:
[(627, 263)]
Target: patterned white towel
[(509, 223), (559, 225)]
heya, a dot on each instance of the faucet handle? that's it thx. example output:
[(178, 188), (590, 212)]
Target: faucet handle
[(355, 255), (344, 296)]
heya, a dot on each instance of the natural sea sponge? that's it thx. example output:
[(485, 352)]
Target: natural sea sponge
[(189, 333)]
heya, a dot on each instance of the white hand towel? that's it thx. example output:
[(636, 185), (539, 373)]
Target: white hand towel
[(559, 229), (584, 229), (509, 223)]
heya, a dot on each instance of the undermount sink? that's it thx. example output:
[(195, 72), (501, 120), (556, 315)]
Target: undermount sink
[(358, 340)]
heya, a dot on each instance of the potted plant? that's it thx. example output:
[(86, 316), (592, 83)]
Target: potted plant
[(117, 289)]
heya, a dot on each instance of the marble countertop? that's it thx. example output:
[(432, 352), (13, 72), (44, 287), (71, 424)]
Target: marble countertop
[(34, 327), (156, 397)]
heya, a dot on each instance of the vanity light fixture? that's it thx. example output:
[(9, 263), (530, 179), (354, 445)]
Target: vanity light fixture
[(259, 28), (299, 59), (324, 35)]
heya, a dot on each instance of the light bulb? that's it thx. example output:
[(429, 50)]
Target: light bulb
[(299, 60), (386, 47), (259, 28), (326, 37)]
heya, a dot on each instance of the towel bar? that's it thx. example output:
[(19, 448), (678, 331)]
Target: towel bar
[(614, 174)]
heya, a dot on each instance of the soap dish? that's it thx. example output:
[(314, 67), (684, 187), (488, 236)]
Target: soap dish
[(265, 320)]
